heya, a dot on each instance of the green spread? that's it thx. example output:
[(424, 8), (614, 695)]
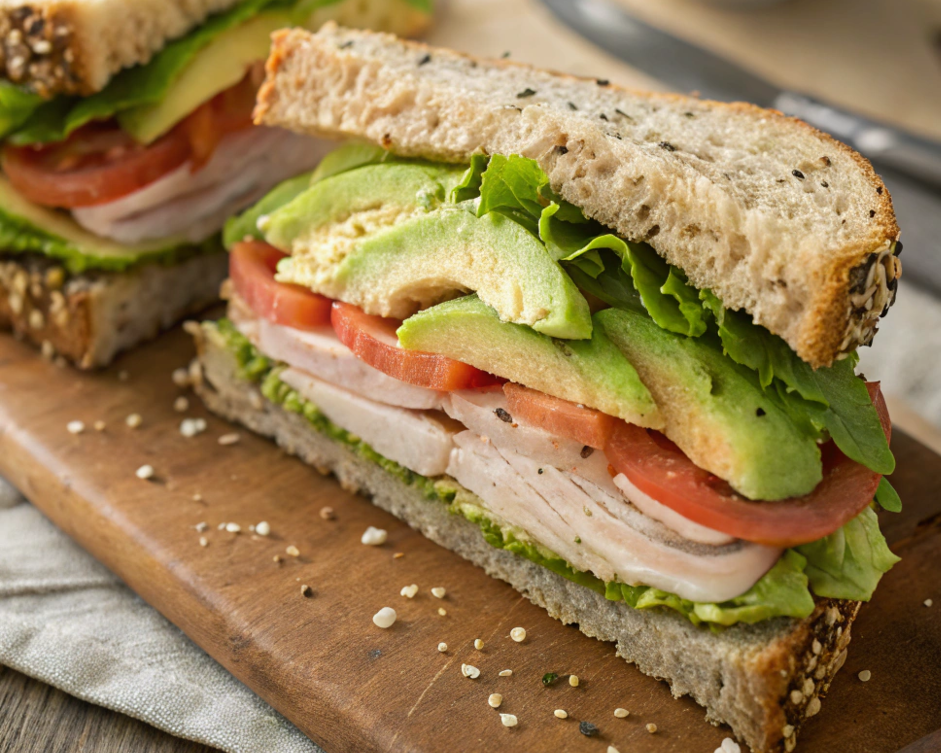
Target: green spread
[(848, 564)]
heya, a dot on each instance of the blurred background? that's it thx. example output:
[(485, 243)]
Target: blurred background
[(860, 60)]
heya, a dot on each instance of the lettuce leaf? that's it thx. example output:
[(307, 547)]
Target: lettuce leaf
[(848, 564), (16, 105), (887, 498)]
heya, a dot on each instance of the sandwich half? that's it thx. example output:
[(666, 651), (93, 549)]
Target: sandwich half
[(599, 342), (128, 141)]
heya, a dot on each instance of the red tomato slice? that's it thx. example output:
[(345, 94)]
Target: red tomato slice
[(373, 339), (100, 163), (252, 266), (96, 164), (560, 417), (659, 468)]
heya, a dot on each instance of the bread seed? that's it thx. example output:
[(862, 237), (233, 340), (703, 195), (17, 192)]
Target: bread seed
[(495, 700), (508, 720), (518, 634), (561, 714), (385, 617)]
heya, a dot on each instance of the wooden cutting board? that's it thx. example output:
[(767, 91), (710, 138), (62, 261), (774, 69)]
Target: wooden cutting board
[(321, 662)]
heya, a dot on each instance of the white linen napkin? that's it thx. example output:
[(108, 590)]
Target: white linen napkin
[(67, 621)]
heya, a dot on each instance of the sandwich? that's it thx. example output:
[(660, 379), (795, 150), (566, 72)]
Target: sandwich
[(601, 343), (127, 142)]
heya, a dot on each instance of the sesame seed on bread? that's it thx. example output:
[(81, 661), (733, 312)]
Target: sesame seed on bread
[(763, 680), (76, 46), (776, 218)]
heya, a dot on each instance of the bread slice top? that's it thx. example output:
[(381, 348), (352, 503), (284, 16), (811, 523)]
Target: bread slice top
[(778, 219), (76, 46)]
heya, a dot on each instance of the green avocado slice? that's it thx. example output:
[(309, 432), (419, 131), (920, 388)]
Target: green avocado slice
[(384, 238), (716, 410), (589, 372)]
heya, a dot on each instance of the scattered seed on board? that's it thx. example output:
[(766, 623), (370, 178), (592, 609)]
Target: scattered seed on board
[(181, 377), (263, 528), (75, 427), (442, 647), (293, 551), (730, 746), (134, 420), (469, 670), (230, 439), (438, 592), (233, 527), (612, 749), (479, 644), (518, 634), (561, 714), (865, 675), (509, 720), (203, 541), (621, 713), (327, 513), (928, 602), (442, 611), (375, 536), (385, 617), (181, 404), (506, 673), (409, 591), (190, 427), (99, 425), (307, 591), (573, 681), (495, 700), (651, 728), (145, 472), (202, 526)]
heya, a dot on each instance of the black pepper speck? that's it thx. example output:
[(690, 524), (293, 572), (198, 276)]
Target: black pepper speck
[(526, 93), (503, 416), (587, 451), (540, 471), (797, 174), (603, 116), (587, 729), (879, 190), (425, 60), (825, 184), (760, 412), (872, 212), (562, 149), (667, 145), (603, 82), (572, 106), (346, 45)]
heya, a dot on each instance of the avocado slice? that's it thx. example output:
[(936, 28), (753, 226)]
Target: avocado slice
[(26, 227), (716, 410), (590, 372), (383, 237), (217, 67)]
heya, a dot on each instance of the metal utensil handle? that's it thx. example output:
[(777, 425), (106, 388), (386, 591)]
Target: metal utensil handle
[(881, 143)]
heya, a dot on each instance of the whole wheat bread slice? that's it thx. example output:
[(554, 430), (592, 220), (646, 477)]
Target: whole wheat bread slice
[(762, 680), (89, 318), (775, 217), (76, 46)]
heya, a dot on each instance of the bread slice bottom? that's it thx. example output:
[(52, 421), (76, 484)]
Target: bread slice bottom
[(89, 318), (762, 680)]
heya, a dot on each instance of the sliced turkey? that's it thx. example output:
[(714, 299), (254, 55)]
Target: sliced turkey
[(192, 206)]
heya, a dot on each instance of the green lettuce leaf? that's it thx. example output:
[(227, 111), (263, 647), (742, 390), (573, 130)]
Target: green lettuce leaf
[(848, 564), (887, 498), (134, 87), (16, 105)]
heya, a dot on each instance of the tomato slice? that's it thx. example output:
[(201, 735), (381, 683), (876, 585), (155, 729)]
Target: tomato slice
[(96, 164), (252, 266), (562, 418), (660, 469), (373, 340), (100, 163)]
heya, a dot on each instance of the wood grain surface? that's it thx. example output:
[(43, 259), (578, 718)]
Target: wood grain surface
[(321, 661), (36, 718)]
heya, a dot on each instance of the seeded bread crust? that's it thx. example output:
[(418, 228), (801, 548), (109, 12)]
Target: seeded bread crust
[(762, 680), (76, 46), (89, 318), (777, 218)]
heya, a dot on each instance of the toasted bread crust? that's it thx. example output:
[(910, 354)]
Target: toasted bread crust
[(763, 680), (343, 83)]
